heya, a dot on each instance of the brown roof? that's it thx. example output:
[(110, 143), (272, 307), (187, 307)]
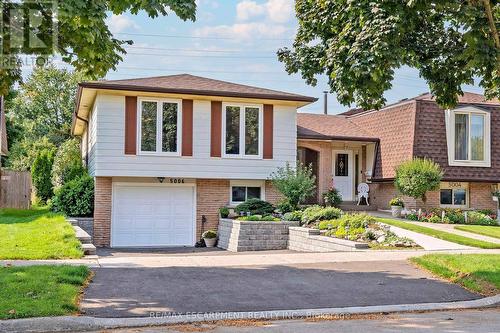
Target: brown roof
[(330, 127), (195, 85)]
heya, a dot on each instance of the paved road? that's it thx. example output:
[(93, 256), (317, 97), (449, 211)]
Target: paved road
[(124, 292), (471, 321)]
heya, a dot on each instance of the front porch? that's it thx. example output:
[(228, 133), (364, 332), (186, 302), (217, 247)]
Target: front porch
[(343, 164)]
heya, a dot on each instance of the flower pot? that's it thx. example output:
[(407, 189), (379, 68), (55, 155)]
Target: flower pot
[(210, 242), (396, 211)]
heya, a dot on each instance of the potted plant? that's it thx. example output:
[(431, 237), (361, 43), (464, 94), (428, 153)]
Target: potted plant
[(397, 205), (224, 212), (209, 236)]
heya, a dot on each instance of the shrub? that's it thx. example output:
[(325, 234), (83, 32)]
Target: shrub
[(75, 198), (455, 216), (210, 234), (67, 163), (284, 207), (332, 197), (224, 212), (318, 213), (355, 221), (416, 177), (255, 207), (475, 217), (40, 174), (397, 202), (296, 184), (293, 216), (258, 218), (412, 217), (328, 225), (434, 219)]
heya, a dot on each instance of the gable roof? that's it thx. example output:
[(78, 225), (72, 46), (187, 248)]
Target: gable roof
[(195, 85), (330, 127)]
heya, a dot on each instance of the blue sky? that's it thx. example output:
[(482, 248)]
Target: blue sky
[(233, 40)]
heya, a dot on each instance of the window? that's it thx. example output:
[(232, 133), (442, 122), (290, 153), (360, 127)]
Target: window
[(159, 124), (243, 190), (454, 194), (242, 131), (342, 165), (468, 131)]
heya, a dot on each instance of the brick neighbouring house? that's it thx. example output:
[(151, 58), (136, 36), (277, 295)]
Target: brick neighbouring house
[(168, 152), (360, 145)]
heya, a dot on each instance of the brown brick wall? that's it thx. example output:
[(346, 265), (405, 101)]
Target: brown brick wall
[(479, 197), (272, 194), (211, 194), (102, 211)]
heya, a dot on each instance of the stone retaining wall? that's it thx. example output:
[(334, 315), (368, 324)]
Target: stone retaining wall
[(240, 236), (310, 240), (86, 223)]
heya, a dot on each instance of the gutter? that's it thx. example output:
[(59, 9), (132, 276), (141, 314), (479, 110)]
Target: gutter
[(339, 138)]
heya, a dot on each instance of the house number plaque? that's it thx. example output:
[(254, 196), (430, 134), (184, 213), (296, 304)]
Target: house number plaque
[(177, 181)]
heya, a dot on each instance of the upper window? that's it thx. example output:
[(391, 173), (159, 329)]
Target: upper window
[(242, 131), (159, 127), (468, 137)]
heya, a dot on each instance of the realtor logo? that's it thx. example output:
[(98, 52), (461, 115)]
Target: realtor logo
[(28, 31)]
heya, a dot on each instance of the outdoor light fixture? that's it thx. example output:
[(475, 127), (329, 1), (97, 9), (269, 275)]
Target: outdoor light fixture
[(160, 179)]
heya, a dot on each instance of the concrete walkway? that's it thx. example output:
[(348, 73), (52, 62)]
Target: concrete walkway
[(451, 229)]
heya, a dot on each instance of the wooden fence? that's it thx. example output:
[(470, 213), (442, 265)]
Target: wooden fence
[(15, 189)]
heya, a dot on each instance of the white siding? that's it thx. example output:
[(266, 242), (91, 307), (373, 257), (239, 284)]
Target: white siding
[(108, 158)]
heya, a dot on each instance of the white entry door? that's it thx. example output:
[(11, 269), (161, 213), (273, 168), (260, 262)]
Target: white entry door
[(152, 215), (343, 173)]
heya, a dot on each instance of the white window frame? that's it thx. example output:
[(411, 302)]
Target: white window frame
[(246, 183), (242, 131), (450, 130), (159, 120), (454, 186)]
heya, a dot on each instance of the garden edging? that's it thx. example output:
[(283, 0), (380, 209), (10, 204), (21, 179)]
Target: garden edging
[(311, 240)]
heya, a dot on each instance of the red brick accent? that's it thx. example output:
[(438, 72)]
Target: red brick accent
[(130, 125), (272, 194), (268, 131), (211, 194), (102, 211)]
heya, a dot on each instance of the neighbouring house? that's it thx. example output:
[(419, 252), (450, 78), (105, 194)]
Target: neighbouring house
[(366, 146), (167, 152)]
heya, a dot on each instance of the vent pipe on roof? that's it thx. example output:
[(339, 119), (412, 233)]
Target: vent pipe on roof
[(325, 104)]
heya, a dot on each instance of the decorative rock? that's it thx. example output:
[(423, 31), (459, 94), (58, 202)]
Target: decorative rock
[(381, 239)]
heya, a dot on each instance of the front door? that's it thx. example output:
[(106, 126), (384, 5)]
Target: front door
[(343, 173)]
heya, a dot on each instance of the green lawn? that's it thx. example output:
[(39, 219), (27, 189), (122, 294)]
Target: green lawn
[(440, 234), (476, 272), (36, 234), (484, 230), (38, 291)]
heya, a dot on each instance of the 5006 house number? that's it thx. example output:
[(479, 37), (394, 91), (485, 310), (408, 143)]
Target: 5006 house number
[(177, 181)]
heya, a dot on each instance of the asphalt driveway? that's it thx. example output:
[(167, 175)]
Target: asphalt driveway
[(127, 292)]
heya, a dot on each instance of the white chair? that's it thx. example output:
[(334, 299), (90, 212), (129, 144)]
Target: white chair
[(363, 190)]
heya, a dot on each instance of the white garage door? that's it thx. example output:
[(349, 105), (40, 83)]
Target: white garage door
[(145, 215)]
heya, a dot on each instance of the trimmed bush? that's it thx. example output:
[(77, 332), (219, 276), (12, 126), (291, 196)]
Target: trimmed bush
[(255, 207), (75, 198), (40, 175), (67, 163), (293, 216), (259, 218), (318, 213), (416, 177)]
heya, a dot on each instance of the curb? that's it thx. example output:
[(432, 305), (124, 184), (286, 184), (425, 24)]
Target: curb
[(84, 323)]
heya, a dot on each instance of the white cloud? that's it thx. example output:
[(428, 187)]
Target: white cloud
[(247, 9), (280, 11), (119, 23), (245, 31)]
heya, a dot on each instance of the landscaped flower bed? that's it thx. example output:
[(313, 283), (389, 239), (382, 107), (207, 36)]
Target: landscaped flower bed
[(453, 216)]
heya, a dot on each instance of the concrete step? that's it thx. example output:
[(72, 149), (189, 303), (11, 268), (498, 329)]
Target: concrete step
[(82, 235), (89, 249), (72, 221)]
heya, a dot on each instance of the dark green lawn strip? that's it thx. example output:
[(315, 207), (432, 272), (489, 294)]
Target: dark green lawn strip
[(440, 234), (38, 291), (476, 272), (484, 230)]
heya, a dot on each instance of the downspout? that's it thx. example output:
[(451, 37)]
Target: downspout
[(86, 139)]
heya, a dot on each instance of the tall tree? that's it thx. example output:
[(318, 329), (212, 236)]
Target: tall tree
[(75, 29), (359, 44)]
